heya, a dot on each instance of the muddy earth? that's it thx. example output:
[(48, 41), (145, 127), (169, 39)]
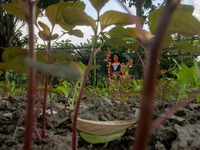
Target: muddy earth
[(180, 132)]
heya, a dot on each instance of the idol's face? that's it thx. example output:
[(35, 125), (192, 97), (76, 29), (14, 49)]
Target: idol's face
[(115, 58)]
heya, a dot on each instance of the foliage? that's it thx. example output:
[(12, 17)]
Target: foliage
[(9, 88), (63, 65)]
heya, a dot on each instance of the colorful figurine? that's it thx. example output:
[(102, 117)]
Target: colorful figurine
[(116, 63)]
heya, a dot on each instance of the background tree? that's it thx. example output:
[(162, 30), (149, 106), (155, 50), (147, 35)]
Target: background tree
[(9, 34)]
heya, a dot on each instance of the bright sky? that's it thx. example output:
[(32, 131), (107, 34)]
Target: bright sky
[(111, 5)]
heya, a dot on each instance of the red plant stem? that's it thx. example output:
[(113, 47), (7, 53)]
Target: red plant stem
[(79, 98), (35, 124), (69, 96), (79, 101), (164, 117), (38, 81), (150, 76), (31, 79), (141, 44), (165, 50), (51, 95), (37, 113), (45, 91), (82, 88), (44, 107), (141, 60), (163, 89)]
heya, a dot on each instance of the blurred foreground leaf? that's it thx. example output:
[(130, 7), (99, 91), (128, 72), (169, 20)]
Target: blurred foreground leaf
[(13, 57), (182, 21), (186, 46), (13, 8), (61, 71), (115, 42)]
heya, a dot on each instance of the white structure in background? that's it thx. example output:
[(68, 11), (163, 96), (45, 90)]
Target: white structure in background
[(198, 59)]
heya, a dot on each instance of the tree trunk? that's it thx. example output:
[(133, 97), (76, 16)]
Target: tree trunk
[(138, 73), (139, 11)]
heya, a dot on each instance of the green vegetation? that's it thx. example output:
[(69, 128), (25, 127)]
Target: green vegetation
[(71, 75)]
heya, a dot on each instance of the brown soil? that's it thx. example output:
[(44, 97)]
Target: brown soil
[(180, 132)]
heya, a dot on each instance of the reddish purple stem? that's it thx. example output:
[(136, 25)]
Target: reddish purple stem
[(148, 94), (31, 76), (164, 117), (51, 95), (35, 124), (44, 107), (141, 60)]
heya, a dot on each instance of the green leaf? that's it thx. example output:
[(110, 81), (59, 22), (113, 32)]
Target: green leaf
[(66, 62), (119, 32), (23, 86), (63, 89), (46, 33), (167, 41), (76, 16), (134, 33), (93, 67), (123, 70), (182, 22), (5, 88), (186, 46), (45, 28), (188, 8), (133, 46), (76, 33), (61, 71), (78, 65), (14, 8), (17, 91), (94, 139), (41, 56), (63, 120), (114, 18), (185, 76), (54, 13), (126, 81), (98, 4), (54, 37), (115, 42), (13, 57), (4, 66), (61, 55)]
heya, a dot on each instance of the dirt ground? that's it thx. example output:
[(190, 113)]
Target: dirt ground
[(180, 132)]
